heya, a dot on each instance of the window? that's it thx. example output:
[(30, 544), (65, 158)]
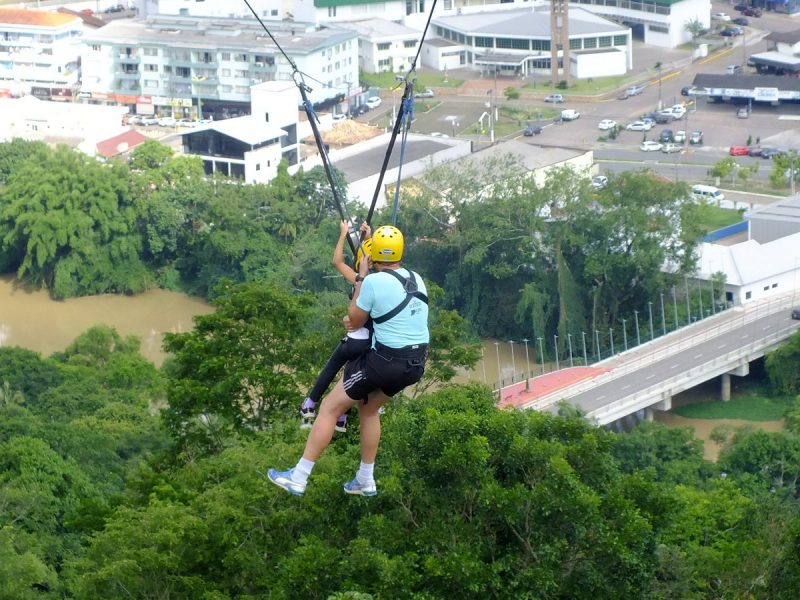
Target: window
[(273, 12), (774, 285), (620, 40), (540, 44), (484, 42), (167, 68), (258, 166), (151, 83), (226, 56), (182, 72), (766, 288), (240, 73), (331, 11), (151, 51), (242, 89), (95, 48), (605, 41), (747, 295), (410, 44), (151, 68), (227, 89), (521, 44), (658, 29), (266, 117), (226, 72), (448, 4), (240, 58), (590, 42), (384, 46), (385, 63), (575, 44)]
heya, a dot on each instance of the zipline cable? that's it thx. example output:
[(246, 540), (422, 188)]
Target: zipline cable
[(313, 120)]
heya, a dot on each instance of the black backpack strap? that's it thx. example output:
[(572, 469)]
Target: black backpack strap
[(412, 291)]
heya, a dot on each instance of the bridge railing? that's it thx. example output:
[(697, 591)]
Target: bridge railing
[(681, 381), (673, 343)]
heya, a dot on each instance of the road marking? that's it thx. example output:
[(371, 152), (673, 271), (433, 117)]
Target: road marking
[(674, 367), (715, 56), (744, 337), (721, 346), (698, 355), (789, 118), (625, 387), (600, 397), (650, 376)]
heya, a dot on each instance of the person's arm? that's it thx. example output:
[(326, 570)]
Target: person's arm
[(338, 254), (356, 316)]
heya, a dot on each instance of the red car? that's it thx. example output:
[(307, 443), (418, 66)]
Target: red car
[(739, 151)]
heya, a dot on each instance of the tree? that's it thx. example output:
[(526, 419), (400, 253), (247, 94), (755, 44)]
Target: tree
[(240, 368), (68, 224), (783, 366), (723, 168), (14, 153), (694, 28)]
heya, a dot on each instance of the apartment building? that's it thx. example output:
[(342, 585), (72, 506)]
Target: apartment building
[(200, 66), (39, 53), (384, 46)]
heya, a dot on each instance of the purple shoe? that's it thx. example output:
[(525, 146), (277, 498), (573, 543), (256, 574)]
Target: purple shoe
[(341, 424)]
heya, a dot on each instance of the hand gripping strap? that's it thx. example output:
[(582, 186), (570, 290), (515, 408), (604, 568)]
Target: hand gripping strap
[(412, 291)]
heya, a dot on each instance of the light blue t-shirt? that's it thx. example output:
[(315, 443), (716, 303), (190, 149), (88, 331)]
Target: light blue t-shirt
[(379, 294)]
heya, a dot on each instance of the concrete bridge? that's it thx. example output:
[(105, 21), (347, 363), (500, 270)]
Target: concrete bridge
[(645, 378)]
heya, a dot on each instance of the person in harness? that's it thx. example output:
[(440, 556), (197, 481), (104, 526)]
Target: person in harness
[(353, 344), (396, 300)]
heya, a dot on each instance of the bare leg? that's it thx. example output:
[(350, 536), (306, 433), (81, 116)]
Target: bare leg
[(371, 425), (333, 406)]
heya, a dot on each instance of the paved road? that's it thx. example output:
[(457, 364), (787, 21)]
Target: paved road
[(662, 368)]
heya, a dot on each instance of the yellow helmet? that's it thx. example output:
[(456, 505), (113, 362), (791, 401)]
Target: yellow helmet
[(364, 248), (387, 244)]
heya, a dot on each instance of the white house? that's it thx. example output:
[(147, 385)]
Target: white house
[(39, 53), (385, 46)]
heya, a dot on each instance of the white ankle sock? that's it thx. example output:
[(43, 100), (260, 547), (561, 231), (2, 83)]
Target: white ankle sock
[(364, 474), (302, 470)]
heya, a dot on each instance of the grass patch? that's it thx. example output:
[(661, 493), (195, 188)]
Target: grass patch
[(713, 217), (387, 80), (523, 114), (749, 406), (586, 87)]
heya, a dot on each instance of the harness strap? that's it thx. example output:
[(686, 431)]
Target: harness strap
[(412, 291)]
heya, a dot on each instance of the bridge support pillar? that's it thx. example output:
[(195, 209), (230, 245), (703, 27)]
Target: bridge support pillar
[(666, 402), (725, 387), (648, 413)]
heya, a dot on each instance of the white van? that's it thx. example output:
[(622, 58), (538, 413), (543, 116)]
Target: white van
[(569, 114), (708, 192)]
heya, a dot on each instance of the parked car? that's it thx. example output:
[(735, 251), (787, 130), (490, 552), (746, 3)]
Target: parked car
[(635, 90), (755, 151), (554, 98), (374, 102), (649, 146), (339, 118), (671, 147), (752, 11), (649, 120), (738, 150), (696, 138), (679, 137), (531, 130), (796, 314), (770, 152), (426, 93), (666, 135), (741, 6), (664, 116), (599, 182), (721, 16), (678, 111), (733, 69), (606, 124), (741, 21), (148, 121), (134, 120), (638, 126), (707, 192), (570, 114), (167, 122), (731, 31), (687, 90), (742, 113)]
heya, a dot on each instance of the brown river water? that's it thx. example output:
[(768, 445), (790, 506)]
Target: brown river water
[(31, 319)]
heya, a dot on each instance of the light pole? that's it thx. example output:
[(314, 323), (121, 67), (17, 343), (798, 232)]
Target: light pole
[(499, 376), (688, 304), (650, 310), (624, 336), (585, 356), (611, 340), (527, 364), (700, 296), (675, 305), (569, 343), (513, 362), (636, 320), (541, 353), (555, 345), (597, 343), (663, 316)]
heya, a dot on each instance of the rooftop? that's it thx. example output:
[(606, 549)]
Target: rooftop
[(215, 33), (784, 37), (532, 157), (35, 18), (749, 262), (746, 82), (248, 129), (787, 209), (528, 23), (118, 144), (380, 28)]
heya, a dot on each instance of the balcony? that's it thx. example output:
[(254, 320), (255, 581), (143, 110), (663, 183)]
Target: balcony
[(126, 87), (129, 59), (262, 67), (129, 75)]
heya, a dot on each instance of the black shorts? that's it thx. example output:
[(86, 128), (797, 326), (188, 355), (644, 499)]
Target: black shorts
[(386, 369)]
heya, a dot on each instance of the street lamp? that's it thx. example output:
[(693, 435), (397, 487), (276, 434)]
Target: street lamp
[(555, 344), (499, 376), (624, 336), (541, 353), (675, 305), (663, 317), (513, 362), (611, 340), (569, 343), (527, 360), (585, 356), (597, 343), (636, 320), (650, 310)]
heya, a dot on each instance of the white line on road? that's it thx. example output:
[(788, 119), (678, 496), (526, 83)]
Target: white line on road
[(600, 397), (743, 337), (625, 387), (698, 355), (650, 376), (674, 367), (721, 346)]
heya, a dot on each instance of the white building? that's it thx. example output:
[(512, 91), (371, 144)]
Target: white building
[(517, 43), (175, 65), (39, 52), (385, 46), (34, 119), (251, 147)]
